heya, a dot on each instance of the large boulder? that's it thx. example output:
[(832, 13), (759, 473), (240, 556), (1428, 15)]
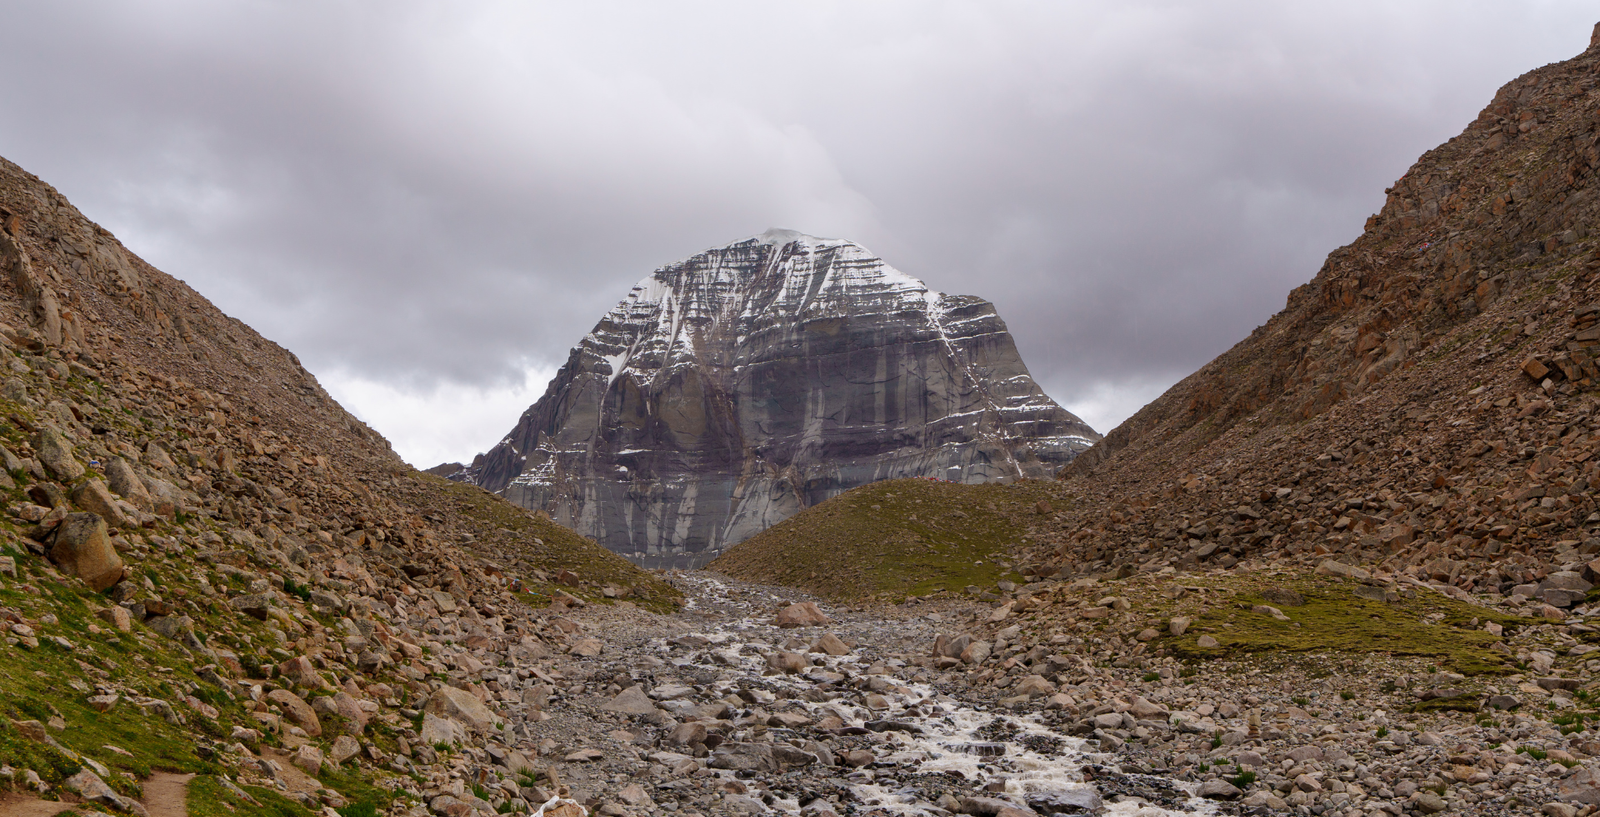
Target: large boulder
[(463, 706), (127, 484), (344, 748), (55, 454), (82, 547), (93, 496), (950, 646), (345, 708)]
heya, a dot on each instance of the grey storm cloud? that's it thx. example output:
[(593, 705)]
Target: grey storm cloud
[(440, 198)]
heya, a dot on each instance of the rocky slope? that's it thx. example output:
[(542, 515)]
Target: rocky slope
[(1427, 403), (734, 388), (207, 565)]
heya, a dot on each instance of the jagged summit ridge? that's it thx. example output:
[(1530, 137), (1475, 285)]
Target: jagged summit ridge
[(729, 390)]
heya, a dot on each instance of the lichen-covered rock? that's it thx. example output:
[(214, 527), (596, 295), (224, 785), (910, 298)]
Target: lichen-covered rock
[(731, 390)]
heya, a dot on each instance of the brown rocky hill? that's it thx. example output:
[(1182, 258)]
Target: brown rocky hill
[(203, 556), (1426, 403)]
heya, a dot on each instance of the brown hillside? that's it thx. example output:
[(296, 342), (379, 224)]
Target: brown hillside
[(1387, 415), (203, 556), (232, 407)]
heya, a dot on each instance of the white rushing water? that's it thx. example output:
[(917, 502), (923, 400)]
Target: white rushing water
[(952, 737)]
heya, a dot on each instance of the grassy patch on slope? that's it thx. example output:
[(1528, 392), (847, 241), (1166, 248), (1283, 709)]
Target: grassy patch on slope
[(1333, 619), (55, 681), (904, 537), (542, 543), (208, 797)]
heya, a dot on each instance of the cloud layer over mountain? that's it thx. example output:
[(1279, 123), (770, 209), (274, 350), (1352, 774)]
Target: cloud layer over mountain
[(430, 203)]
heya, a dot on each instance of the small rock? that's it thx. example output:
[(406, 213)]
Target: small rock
[(631, 701), (587, 647), (1429, 803), (801, 614), (309, 759), (297, 710), (1330, 567), (789, 663), (831, 644), (1219, 790), (462, 706), (344, 748), (90, 787)]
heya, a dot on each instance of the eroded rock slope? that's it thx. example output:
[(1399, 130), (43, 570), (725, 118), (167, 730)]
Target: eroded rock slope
[(1426, 403)]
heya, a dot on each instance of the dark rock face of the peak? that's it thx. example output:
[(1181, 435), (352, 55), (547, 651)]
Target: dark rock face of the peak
[(729, 391)]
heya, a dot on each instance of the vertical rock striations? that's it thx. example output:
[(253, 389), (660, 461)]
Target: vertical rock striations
[(728, 391)]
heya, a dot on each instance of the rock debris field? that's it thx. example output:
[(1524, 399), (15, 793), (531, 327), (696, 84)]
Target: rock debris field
[(719, 710), (949, 707)]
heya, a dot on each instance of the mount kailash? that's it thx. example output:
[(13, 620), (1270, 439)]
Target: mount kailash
[(733, 389)]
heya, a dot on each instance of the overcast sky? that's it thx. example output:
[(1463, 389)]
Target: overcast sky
[(430, 203)]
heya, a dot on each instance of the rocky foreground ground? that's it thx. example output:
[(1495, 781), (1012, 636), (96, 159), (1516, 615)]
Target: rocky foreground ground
[(1013, 700), (1265, 689)]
